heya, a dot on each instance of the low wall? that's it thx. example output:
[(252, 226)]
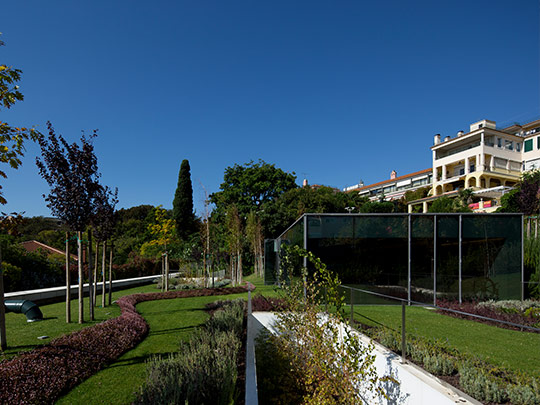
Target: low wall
[(55, 294), (415, 385)]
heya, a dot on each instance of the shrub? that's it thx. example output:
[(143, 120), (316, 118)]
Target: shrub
[(204, 370), (477, 378), (509, 311), (268, 304), (477, 383)]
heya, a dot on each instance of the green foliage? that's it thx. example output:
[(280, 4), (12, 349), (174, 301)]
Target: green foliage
[(479, 379), (183, 203), (12, 276), (31, 270), (412, 195), (162, 228), (12, 139), (279, 213), (250, 186), (204, 370), (509, 202), (330, 360), (446, 204), (377, 207), (531, 261)]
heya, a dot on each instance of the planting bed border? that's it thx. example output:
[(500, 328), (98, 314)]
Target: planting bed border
[(43, 374)]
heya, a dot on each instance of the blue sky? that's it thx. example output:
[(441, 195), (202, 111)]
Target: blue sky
[(336, 91)]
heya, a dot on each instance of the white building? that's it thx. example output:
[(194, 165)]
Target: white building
[(487, 159)]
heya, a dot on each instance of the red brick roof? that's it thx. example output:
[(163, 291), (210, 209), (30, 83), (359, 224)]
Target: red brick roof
[(426, 171)]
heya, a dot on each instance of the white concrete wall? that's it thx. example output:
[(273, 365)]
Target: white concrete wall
[(415, 386)]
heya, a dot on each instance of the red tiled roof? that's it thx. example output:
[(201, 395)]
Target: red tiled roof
[(393, 180)]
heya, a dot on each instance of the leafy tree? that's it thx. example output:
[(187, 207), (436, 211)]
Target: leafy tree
[(509, 202), (131, 231), (162, 231), (183, 203), (72, 174), (250, 186), (278, 214), (12, 140)]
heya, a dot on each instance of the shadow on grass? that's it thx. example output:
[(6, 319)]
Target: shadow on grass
[(173, 311), (172, 330), (356, 314), (139, 359)]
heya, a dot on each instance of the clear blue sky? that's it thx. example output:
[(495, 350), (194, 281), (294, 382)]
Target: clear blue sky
[(337, 91)]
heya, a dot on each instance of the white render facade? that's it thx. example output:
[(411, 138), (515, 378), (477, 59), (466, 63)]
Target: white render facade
[(486, 159)]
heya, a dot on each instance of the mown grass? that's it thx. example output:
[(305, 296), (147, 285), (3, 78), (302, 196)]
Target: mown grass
[(512, 349), (171, 321), (23, 336)]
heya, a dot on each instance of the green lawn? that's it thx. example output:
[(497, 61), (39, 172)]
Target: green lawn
[(512, 349), (171, 321), (22, 335)]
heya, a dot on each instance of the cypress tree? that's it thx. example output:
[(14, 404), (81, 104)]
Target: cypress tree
[(183, 203)]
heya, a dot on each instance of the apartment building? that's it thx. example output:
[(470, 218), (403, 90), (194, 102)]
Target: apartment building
[(486, 159), (395, 187)]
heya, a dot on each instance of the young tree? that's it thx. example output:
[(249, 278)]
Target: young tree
[(255, 238), (104, 221), (234, 244), (72, 174), (162, 230), (183, 203)]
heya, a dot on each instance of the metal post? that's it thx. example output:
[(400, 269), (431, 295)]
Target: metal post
[(522, 258), (403, 341), (409, 233), (352, 307), (434, 259), (460, 254)]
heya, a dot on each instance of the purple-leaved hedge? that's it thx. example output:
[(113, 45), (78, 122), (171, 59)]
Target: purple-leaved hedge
[(41, 375)]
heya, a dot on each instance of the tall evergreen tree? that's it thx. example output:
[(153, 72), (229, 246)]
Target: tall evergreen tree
[(183, 203)]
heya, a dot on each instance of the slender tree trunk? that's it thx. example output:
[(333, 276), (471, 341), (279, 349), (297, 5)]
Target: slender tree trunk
[(239, 267), (162, 272), (110, 271), (81, 276), (3, 339), (68, 282), (103, 272), (166, 271), (96, 278), (90, 277)]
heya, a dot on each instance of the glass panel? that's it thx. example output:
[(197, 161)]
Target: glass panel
[(491, 257), (528, 145), (447, 257), (422, 258), (270, 256)]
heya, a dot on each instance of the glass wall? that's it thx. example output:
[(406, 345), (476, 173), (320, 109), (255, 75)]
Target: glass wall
[(418, 256)]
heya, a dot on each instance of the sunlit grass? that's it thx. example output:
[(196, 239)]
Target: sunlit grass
[(515, 350)]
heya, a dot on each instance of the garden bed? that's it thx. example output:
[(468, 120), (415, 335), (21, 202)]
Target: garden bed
[(43, 374)]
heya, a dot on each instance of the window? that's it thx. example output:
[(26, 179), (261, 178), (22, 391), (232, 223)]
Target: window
[(508, 144), (537, 143), (529, 145), (518, 147), (499, 142)]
